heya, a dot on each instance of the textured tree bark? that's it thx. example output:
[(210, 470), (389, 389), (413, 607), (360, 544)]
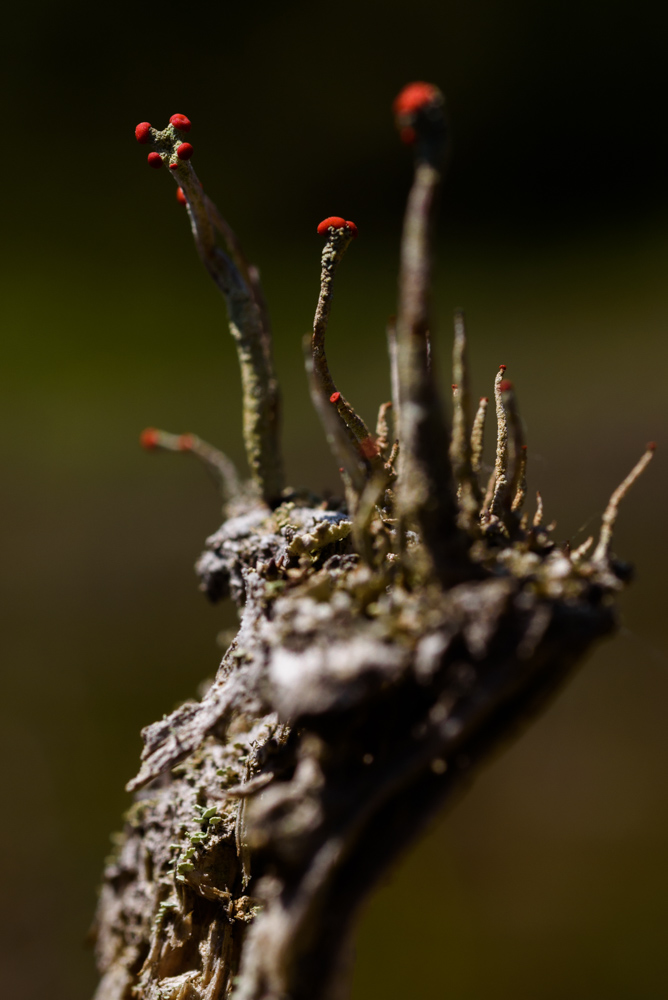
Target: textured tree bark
[(343, 716), (387, 647)]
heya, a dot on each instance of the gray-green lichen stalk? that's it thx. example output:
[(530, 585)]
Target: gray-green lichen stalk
[(426, 499), (247, 315)]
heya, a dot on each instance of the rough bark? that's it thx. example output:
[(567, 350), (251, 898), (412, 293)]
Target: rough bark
[(345, 712)]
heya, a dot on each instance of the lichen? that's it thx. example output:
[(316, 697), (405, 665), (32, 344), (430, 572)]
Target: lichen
[(387, 644)]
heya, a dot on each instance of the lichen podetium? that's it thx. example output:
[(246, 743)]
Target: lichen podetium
[(388, 642)]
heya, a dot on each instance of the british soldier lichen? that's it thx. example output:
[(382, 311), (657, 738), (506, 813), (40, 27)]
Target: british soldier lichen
[(387, 642)]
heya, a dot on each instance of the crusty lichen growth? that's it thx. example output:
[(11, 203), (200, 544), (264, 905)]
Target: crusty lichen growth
[(387, 645), (174, 884), (341, 685)]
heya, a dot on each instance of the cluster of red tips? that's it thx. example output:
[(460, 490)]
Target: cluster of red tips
[(180, 196), (335, 397), (505, 385), (185, 442), (149, 438), (184, 151), (155, 160), (414, 97), (181, 123), (336, 222), (143, 132)]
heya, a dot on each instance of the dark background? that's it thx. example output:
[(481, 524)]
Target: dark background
[(550, 879)]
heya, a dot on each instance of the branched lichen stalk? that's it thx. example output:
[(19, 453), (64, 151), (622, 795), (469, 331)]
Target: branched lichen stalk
[(338, 239), (339, 235), (252, 338)]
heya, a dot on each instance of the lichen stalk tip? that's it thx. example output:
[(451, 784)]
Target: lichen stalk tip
[(222, 468)]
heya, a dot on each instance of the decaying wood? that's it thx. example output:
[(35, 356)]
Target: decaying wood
[(386, 648)]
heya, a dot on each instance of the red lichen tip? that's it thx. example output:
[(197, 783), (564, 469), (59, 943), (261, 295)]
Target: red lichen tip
[(651, 446), (185, 442), (502, 368), (149, 438), (414, 97), (336, 222), (484, 399), (173, 166), (335, 397), (143, 132), (524, 447), (155, 160), (505, 385), (181, 123), (184, 151), (181, 197), (454, 385)]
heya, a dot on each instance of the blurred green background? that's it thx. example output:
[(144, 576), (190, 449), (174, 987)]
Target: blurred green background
[(550, 878)]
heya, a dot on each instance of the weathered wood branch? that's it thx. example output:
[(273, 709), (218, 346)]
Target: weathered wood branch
[(386, 649)]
